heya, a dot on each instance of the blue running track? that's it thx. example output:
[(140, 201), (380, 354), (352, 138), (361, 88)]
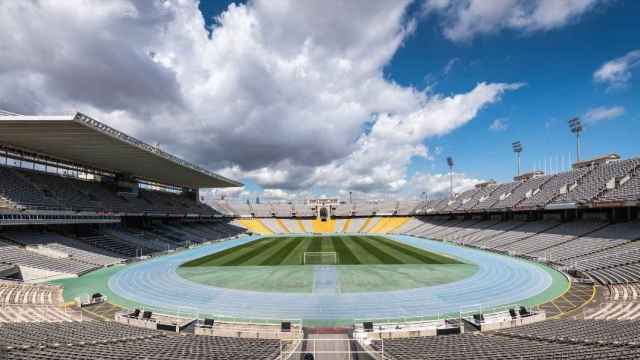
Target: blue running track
[(500, 280)]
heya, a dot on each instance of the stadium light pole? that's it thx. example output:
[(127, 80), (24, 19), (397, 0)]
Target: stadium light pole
[(450, 163), (576, 127), (517, 148)]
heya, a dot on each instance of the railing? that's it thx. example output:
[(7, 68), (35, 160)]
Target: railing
[(339, 348)]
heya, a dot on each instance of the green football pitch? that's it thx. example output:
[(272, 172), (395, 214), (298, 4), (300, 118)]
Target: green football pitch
[(349, 250)]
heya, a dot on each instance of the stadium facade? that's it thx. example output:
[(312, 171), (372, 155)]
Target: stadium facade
[(95, 227)]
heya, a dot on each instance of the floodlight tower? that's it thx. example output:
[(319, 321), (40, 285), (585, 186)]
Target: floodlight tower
[(450, 163), (576, 127), (517, 148)]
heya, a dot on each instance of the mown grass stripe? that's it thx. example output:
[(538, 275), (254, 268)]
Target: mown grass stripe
[(416, 253), (363, 256), (295, 257), (279, 256), (345, 256), (327, 244), (315, 245), (246, 256), (268, 252), (351, 250), (396, 252), (399, 254), (382, 256), (234, 252)]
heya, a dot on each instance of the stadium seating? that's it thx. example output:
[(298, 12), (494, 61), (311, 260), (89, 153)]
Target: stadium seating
[(140, 239), (36, 190), (409, 225), (114, 245), (627, 188), (66, 190), (19, 192), (625, 252), (490, 232), (14, 254), (558, 184), (407, 207), (617, 180), (607, 237), (595, 181), (110, 340), (24, 303), (500, 193), (585, 331), (464, 233), (522, 192), (17, 293), (562, 339), (537, 245), (74, 249), (621, 303), (37, 314), (503, 240)]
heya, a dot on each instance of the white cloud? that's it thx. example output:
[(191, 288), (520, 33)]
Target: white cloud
[(382, 157), (617, 72), (225, 193), (278, 93), (450, 64), (499, 124), (603, 113), (438, 185), (462, 20)]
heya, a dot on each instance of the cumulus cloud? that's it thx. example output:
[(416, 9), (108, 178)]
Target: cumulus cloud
[(382, 156), (499, 124), (617, 72), (278, 92), (603, 113), (437, 185), (210, 195), (462, 20)]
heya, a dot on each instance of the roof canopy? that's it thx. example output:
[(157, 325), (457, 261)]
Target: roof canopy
[(82, 140)]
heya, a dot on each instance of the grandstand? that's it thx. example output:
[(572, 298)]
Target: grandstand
[(67, 212)]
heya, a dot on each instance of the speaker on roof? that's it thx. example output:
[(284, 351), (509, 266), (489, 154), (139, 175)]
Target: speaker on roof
[(135, 314), (285, 326), (146, 315), (523, 311), (368, 326), (513, 313), (209, 322), (478, 318)]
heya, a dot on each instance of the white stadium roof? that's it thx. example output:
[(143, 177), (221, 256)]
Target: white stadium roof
[(82, 140)]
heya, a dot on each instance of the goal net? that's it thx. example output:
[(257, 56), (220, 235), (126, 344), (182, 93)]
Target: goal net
[(320, 258)]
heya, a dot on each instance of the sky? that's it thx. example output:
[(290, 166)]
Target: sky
[(301, 99)]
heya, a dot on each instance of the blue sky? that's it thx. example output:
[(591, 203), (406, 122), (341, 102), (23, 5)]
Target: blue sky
[(557, 67), (311, 98)]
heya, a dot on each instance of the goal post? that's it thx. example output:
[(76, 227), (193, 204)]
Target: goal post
[(320, 258)]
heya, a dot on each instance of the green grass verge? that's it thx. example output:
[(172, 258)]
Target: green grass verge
[(351, 250)]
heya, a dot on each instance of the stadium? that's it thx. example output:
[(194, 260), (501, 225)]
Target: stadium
[(314, 180), (97, 244)]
